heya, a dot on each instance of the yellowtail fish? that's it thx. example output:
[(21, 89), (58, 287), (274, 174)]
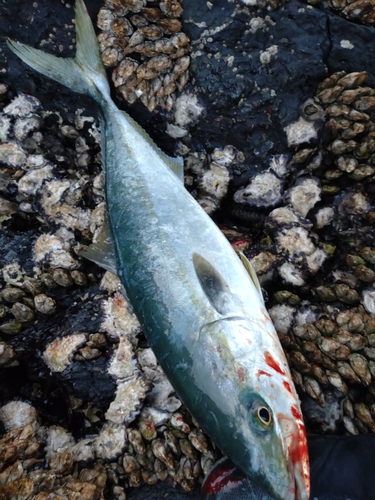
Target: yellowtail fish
[(200, 305)]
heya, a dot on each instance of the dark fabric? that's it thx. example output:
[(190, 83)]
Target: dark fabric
[(342, 468)]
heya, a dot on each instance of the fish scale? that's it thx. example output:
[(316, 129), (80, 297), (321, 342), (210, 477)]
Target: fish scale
[(200, 306)]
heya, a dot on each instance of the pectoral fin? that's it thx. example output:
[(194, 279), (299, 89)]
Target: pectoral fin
[(102, 252), (251, 272), (213, 285)]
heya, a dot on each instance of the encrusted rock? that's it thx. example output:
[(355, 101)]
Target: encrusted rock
[(264, 191), (59, 352), (304, 195), (128, 401)]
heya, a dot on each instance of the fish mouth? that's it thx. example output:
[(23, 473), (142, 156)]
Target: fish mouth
[(294, 442)]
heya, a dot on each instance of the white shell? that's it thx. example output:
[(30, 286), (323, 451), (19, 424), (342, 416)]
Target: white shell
[(18, 414), (58, 353)]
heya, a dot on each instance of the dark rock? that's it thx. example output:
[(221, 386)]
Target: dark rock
[(90, 381), (352, 47), (247, 103)]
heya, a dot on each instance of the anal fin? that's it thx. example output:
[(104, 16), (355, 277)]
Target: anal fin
[(102, 252)]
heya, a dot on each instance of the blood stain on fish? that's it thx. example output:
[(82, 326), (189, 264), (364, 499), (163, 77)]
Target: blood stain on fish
[(273, 363), (287, 386)]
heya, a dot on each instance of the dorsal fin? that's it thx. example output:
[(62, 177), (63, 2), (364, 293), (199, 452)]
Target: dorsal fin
[(251, 272), (102, 252), (213, 285), (175, 164)]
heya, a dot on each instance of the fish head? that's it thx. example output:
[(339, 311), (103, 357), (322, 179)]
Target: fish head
[(277, 455), (241, 368), (260, 426), (273, 427)]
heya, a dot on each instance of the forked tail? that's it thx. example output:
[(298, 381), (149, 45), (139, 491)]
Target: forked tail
[(85, 73)]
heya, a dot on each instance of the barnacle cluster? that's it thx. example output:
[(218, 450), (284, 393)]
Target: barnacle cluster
[(330, 348), (146, 48), (290, 250), (40, 196), (349, 106), (45, 462), (27, 446)]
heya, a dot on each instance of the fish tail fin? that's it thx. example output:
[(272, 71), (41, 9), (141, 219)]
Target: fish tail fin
[(85, 73)]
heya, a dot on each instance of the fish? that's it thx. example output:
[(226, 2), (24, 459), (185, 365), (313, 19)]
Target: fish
[(200, 305)]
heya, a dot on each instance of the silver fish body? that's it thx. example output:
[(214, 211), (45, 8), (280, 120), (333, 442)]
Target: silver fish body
[(201, 312)]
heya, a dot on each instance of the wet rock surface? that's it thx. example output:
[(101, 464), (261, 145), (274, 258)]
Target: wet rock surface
[(254, 86), (279, 108)]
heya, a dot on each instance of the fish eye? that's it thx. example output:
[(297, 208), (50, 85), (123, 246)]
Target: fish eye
[(260, 415), (264, 416)]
